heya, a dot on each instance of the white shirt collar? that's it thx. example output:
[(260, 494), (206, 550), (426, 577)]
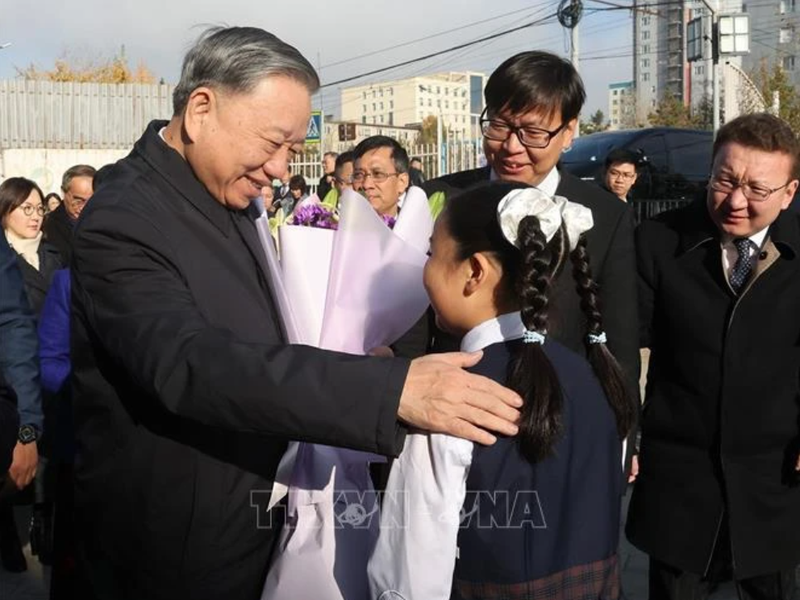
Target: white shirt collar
[(500, 329), (549, 184), (757, 238)]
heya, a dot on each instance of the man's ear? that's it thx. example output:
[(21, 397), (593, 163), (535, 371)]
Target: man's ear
[(402, 178), (202, 102)]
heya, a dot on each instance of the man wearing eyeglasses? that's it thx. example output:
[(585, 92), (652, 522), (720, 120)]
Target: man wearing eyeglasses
[(380, 173), (620, 172), (719, 286), (533, 101), (77, 187)]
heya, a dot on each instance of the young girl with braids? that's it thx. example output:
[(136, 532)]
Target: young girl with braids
[(536, 515)]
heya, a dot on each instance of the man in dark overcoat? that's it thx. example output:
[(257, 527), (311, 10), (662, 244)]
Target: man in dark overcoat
[(185, 392), (533, 101), (719, 289)]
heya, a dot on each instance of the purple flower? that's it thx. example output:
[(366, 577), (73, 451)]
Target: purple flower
[(315, 215), (389, 220)]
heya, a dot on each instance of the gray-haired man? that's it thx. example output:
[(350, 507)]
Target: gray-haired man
[(185, 390)]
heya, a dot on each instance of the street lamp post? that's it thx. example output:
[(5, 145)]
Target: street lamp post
[(730, 35)]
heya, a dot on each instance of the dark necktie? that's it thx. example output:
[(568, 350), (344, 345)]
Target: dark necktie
[(744, 264)]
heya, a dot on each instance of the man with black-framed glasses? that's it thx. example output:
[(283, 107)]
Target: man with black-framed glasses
[(719, 286), (533, 101)]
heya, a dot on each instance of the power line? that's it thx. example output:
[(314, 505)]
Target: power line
[(440, 52), (431, 36)]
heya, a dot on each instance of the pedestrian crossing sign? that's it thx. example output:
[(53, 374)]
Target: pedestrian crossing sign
[(314, 132)]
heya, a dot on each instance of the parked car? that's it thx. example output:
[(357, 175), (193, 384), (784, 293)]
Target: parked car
[(674, 163)]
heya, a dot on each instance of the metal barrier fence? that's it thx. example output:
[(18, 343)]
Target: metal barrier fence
[(647, 209)]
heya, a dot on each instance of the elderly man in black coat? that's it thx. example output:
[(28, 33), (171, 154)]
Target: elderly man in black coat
[(185, 391), (719, 291)]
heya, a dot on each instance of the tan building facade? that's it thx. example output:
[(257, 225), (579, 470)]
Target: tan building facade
[(456, 97)]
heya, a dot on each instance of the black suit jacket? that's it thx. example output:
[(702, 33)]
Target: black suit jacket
[(610, 244), (57, 229), (185, 392), (721, 419)]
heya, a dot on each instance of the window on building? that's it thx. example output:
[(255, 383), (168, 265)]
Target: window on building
[(646, 49), (616, 102), (645, 21), (422, 101), (381, 92), (788, 63), (646, 76), (787, 6), (391, 91), (429, 102), (447, 91), (363, 108), (646, 35), (439, 103), (447, 104), (373, 93), (700, 70), (645, 63), (615, 92), (365, 94), (374, 106), (785, 35), (364, 119), (391, 103), (438, 89), (381, 120), (374, 120)]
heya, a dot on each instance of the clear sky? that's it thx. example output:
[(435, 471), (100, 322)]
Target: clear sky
[(342, 39)]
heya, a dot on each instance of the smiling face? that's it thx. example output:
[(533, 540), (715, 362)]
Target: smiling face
[(26, 226), (734, 214), (239, 143), (514, 162)]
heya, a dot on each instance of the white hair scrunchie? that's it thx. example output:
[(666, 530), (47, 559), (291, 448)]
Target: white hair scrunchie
[(551, 212)]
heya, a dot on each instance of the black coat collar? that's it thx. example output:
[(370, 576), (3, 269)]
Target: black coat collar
[(177, 172), (699, 229)]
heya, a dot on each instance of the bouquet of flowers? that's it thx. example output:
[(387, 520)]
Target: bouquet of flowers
[(349, 285)]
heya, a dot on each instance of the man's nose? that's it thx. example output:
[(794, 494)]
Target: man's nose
[(512, 144)]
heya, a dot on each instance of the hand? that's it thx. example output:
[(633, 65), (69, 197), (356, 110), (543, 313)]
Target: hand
[(23, 464), (635, 469), (441, 397)]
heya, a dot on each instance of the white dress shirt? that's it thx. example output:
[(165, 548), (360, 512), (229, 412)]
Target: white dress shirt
[(730, 254), (549, 184), (416, 551)]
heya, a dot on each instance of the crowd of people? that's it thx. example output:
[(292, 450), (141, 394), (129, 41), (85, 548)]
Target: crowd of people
[(147, 391)]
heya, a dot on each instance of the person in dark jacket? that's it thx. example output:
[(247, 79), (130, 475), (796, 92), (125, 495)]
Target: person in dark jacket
[(719, 286), (22, 212), (76, 185), (19, 365), (325, 184), (533, 100), (185, 391)]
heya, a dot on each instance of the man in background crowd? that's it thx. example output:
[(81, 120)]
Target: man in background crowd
[(415, 175), (620, 172), (328, 174), (77, 187)]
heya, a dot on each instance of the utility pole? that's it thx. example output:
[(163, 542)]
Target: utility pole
[(569, 15), (575, 58)]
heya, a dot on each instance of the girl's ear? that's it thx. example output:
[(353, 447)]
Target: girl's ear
[(483, 273)]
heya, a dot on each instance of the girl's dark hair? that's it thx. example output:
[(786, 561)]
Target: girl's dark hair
[(14, 191), (528, 271)]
